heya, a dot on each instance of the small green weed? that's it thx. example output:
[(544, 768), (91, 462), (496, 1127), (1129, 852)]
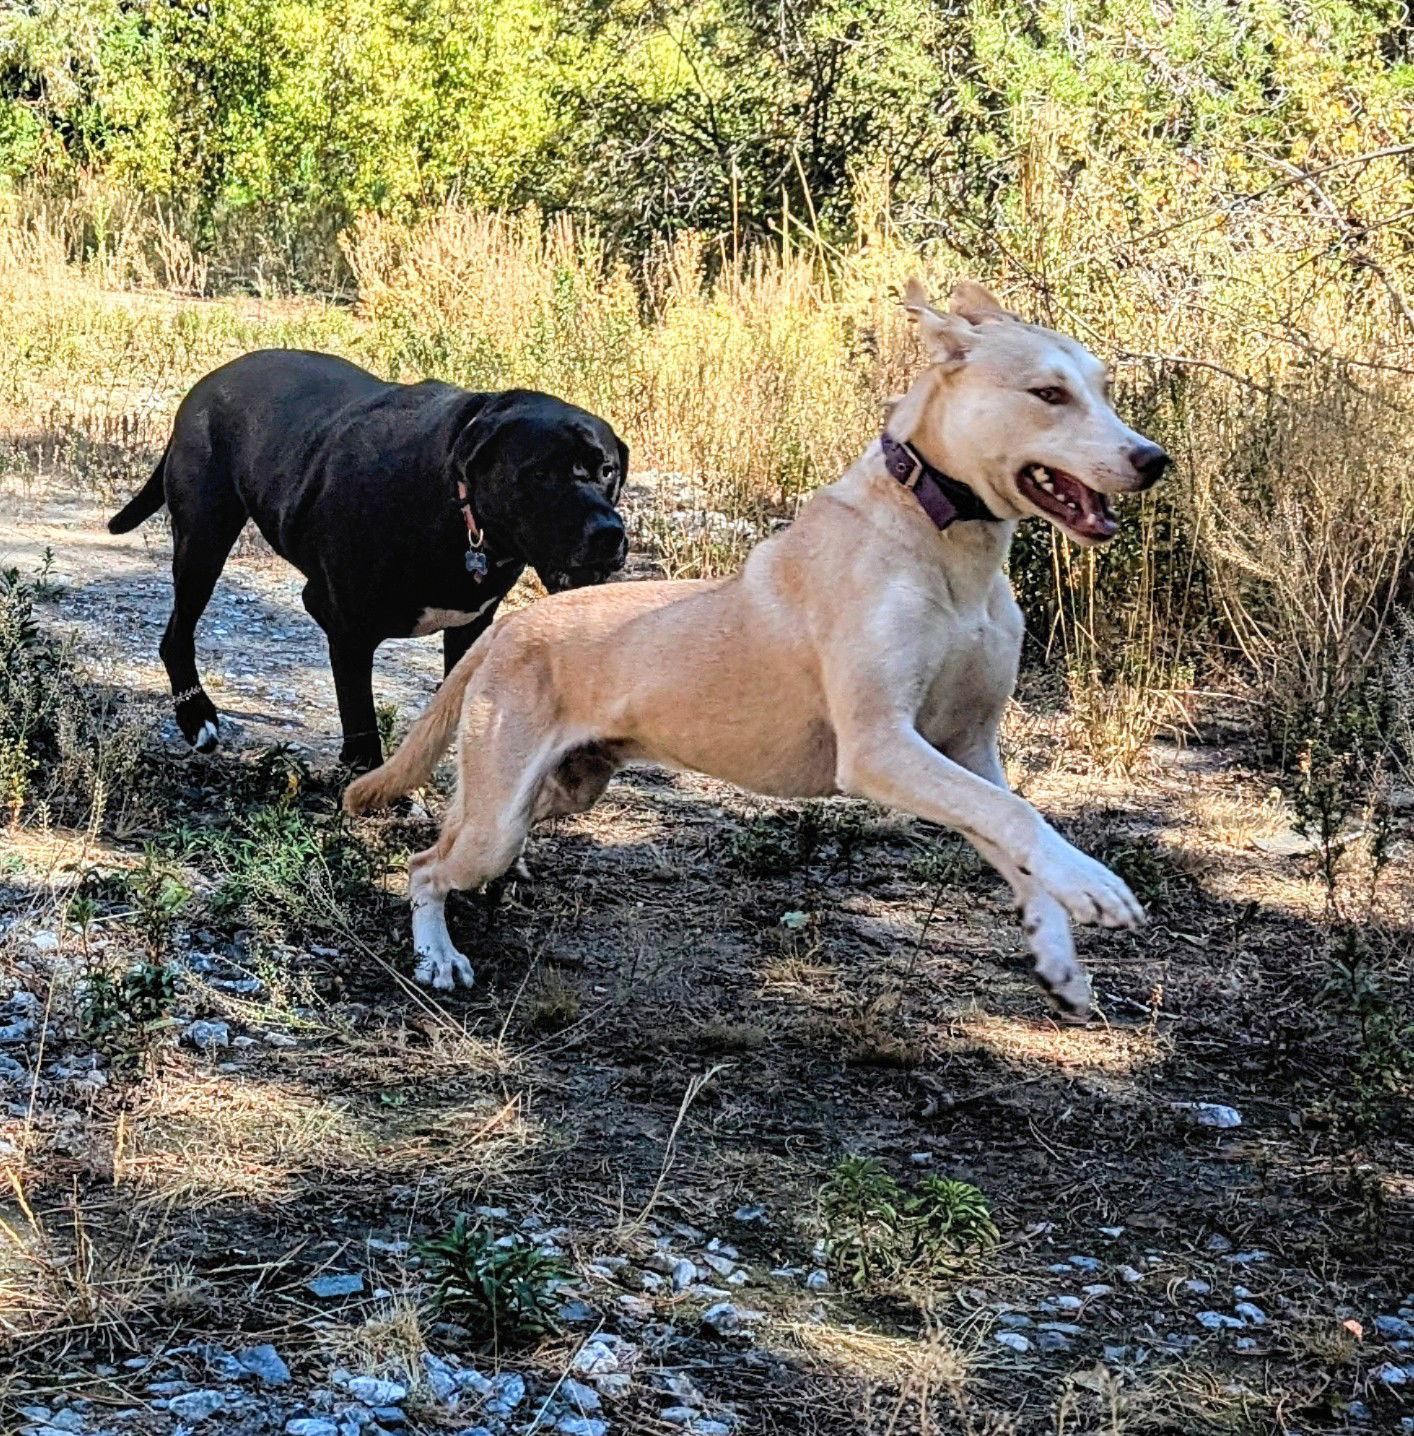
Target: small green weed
[(502, 1294), (875, 1232), (554, 1004), (281, 871), (1145, 866), (768, 846), (158, 894), (387, 716), (120, 1012)]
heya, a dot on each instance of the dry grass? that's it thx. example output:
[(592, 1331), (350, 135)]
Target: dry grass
[(200, 1141)]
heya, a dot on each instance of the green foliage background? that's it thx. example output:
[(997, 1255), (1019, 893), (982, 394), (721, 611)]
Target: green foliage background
[(290, 117)]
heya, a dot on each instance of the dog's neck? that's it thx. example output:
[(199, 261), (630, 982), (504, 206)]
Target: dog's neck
[(944, 499)]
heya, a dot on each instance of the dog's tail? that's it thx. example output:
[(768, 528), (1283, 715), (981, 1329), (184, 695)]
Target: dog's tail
[(148, 500), (427, 740)]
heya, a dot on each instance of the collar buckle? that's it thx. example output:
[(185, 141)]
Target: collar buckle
[(944, 499)]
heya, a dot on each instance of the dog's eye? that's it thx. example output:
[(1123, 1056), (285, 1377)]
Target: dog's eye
[(608, 473), (1051, 394), (581, 473)]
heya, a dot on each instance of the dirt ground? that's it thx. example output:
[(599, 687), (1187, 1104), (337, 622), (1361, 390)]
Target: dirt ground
[(652, 1061)]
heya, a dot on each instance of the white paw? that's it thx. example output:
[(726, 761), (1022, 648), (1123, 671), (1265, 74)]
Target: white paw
[(208, 735), (522, 870), (1087, 890), (1067, 989), (443, 969)]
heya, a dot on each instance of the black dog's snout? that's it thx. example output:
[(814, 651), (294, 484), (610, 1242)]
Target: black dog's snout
[(1149, 462), (605, 543)]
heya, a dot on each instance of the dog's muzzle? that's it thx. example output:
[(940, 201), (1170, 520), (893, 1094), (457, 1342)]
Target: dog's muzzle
[(602, 553), (1149, 462)]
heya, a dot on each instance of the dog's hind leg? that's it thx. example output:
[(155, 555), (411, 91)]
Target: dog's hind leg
[(476, 853), (204, 530)]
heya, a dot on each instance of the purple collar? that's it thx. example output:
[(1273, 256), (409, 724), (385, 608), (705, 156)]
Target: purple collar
[(944, 500)]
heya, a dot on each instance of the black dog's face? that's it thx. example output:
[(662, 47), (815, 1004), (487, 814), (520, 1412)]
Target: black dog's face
[(545, 481)]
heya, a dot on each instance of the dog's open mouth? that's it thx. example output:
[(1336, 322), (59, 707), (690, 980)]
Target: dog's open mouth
[(1082, 511)]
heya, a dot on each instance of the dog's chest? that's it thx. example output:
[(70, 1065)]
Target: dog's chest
[(434, 620), (973, 673)]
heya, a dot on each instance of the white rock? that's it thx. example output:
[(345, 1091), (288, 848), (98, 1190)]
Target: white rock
[(374, 1391), (1012, 1340), (1253, 1314), (1210, 1114), (1217, 1321)]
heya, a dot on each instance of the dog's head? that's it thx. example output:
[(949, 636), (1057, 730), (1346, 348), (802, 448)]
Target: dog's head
[(1021, 415), (544, 477)]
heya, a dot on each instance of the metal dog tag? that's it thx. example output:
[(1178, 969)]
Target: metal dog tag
[(476, 564)]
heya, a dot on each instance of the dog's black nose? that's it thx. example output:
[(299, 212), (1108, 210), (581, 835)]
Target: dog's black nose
[(605, 542), (1149, 462)]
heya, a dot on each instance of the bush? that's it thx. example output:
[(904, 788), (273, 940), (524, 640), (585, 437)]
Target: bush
[(63, 744), (874, 1232), (501, 1293)]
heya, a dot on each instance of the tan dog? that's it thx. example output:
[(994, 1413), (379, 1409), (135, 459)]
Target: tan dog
[(867, 649)]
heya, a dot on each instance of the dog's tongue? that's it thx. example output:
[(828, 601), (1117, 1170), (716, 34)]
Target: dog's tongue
[(1096, 520)]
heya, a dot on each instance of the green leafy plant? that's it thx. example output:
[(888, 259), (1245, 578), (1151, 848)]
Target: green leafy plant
[(874, 1231), (281, 870), (861, 1210), (120, 1012), (946, 1216), (501, 1293), (158, 894)]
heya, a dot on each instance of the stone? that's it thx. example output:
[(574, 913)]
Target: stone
[(264, 1362), (1085, 1263), (208, 1035), (1098, 1288), (684, 1273), (581, 1426), (12, 1071), (1052, 1341), (197, 1405), (335, 1284), (1252, 1314), (16, 1031), (509, 1387), (753, 1212), (375, 1391), (1393, 1375), (704, 1427), (1394, 1328), (1014, 1320), (1217, 1321), (594, 1358), (818, 1280), (1197, 1286), (722, 1265), (310, 1426), (725, 1319), (1012, 1340), (585, 1399)]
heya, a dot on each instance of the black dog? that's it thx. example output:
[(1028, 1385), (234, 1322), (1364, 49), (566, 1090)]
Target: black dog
[(408, 507)]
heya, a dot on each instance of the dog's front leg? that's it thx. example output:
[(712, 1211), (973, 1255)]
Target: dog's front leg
[(1045, 922), (894, 765)]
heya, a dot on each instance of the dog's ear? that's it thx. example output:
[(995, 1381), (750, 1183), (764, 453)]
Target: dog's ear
[(946, 337), (478, 428), (975, 303), (623, 468)]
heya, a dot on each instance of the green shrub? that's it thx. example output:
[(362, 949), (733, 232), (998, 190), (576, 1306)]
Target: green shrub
[(502, 1294)]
